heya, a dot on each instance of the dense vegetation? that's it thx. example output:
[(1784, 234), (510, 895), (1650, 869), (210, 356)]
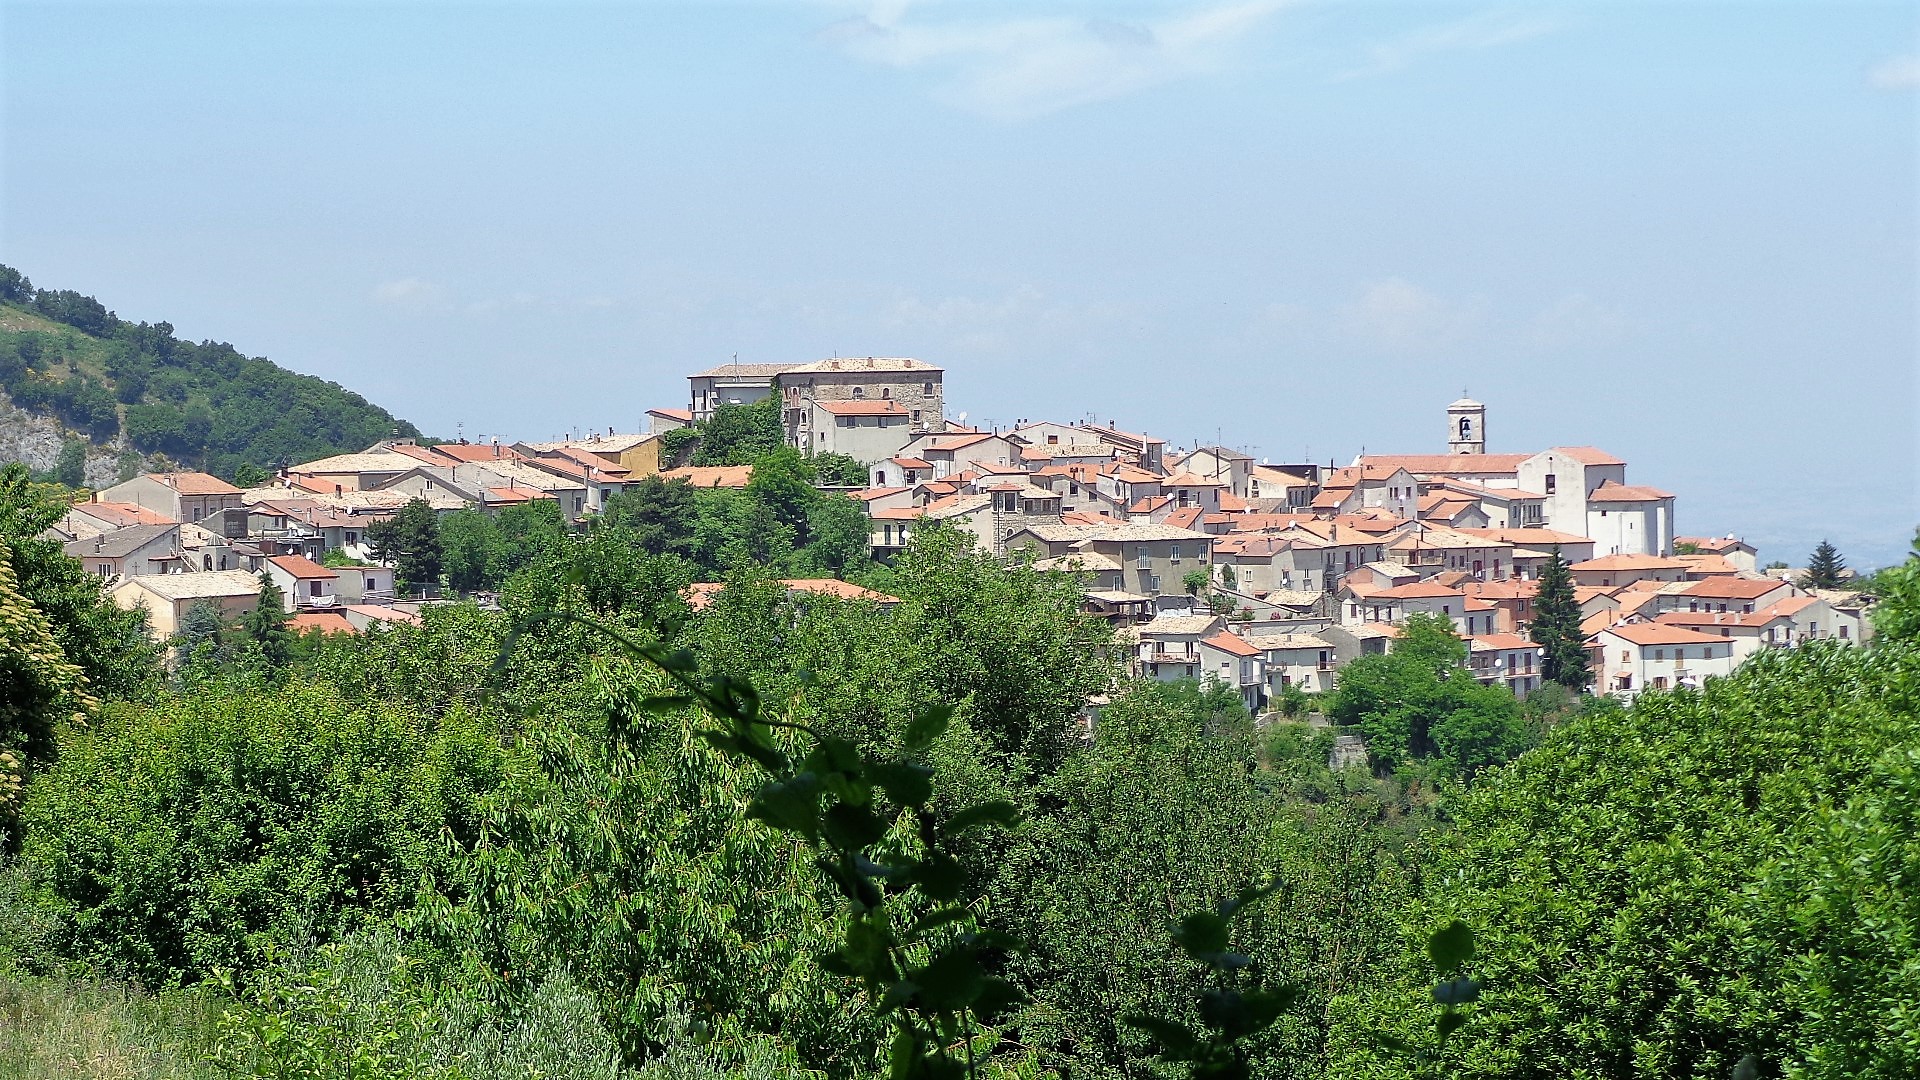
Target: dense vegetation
[(65, 355), (599, 833)]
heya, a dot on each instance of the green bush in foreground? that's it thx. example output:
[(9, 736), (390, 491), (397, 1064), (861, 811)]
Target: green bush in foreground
[(175, 839)]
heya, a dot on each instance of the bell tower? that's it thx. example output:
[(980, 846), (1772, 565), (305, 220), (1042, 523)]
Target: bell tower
[(1466, 427)]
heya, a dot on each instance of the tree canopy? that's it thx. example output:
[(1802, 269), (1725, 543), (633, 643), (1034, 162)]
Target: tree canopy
[(203, 404)]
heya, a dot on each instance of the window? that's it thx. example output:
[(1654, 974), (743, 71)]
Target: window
[(886, 392), (1659, 654), (926, 388), (353, 537), (859, 392), (313, 588), (1550, 483), (1843, 631), (916, 416)]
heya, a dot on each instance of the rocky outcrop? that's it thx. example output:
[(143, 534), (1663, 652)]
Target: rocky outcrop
[(38, 440)]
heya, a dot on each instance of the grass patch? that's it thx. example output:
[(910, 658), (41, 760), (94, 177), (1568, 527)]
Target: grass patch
[(56, 1028)]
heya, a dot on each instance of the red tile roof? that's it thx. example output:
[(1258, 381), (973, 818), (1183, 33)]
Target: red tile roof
[(1660, 634), (302, 567), (1587, 455), (1228, 643), (119, 513), (1611, 492), (327, 622), (712, 476), (1629, 562), (1733, 588), (470, 452), (196, 483)]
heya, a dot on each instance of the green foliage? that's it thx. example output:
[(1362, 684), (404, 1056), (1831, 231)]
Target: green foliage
[(1420, 702), (741, 434), (905, 940), (1195, 581), (175, 839), (40, 691), (410, 540), (248, 475), (204, 403), (839, 470), (1824, 568), (266, 624), (110, 645), (1666, 889), (1556, 626), (71, 468)]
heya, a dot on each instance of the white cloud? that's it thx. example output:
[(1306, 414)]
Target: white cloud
[(408, 292), (1576, 320), (1486, 30), (1400, 316), (1020, 68), (1899, 73)]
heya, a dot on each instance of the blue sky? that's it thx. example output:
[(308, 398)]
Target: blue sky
[(1684, 233)]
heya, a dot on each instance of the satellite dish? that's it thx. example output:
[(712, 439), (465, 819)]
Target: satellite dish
[(961, 419)]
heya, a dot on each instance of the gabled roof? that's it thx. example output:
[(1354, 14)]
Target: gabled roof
[(1118, 531), (743, 371), (515, 494), (377, 462), (700, 594), (195, 483), (1610, 492), (1734, 588), (203, 585), (118, 543), (121, 514), (1629, 562), (303, 568), (1661, 634), (1181, 625), (958, 442), (475, 452), (712, 476), (1184, 518), (682, 415), (1418, 590), (859, 364), (1587, 455), (327, 622), (1754, 621), (1450, 464), (1187, 479), (1228, 643), (870, 494), (1529, 537)]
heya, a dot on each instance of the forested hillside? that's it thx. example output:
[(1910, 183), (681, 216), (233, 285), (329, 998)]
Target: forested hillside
[(600, 833), (136, 385)]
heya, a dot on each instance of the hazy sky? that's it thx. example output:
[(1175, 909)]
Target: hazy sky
[(1685, 233)]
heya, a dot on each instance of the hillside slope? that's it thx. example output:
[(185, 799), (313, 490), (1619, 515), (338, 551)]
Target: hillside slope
[(134, 388)]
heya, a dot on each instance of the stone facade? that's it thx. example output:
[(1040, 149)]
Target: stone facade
[(913, 385)]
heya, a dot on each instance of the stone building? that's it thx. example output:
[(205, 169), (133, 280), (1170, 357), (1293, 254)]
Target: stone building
[(912, 385)]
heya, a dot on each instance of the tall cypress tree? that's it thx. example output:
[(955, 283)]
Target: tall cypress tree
[(1823, 568), (1556, 626)]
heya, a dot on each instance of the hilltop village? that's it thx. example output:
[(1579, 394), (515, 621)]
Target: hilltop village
[(1210, 564)]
